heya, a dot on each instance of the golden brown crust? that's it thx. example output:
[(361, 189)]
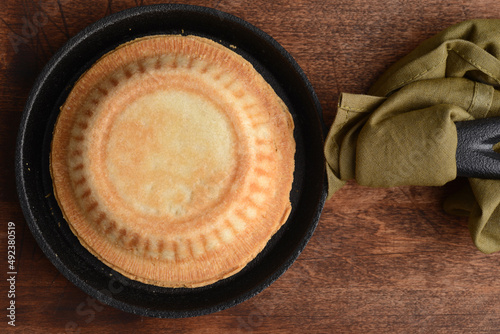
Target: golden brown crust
[(172, 161)]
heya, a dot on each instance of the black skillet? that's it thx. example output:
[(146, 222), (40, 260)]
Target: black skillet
[(35, 187)]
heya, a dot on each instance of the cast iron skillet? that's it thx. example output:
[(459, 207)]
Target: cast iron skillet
[(35, 187)]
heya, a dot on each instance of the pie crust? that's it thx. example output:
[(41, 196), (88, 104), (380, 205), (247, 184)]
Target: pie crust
[(172, 161)]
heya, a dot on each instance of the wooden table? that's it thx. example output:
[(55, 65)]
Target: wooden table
[(380, 261)]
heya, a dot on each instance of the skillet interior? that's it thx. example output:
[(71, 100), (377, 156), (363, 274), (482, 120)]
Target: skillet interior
[(35, 186)]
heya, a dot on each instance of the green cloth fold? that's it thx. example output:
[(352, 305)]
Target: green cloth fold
[(403, 132)]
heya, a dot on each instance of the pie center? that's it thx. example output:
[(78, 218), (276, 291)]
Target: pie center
[(171, 153)]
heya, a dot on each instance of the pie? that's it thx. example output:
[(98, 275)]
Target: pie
[(172, 161)]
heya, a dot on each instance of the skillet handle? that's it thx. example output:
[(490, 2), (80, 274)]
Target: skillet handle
[(475, 155)]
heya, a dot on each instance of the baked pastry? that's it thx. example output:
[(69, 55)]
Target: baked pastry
[(172, 161)]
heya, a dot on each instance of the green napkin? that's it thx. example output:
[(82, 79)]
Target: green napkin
[(403, 132)]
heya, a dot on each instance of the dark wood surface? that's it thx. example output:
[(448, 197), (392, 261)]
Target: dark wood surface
[(380, 261)]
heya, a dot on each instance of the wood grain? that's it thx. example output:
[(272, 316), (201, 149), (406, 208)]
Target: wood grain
[(381, 260)]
